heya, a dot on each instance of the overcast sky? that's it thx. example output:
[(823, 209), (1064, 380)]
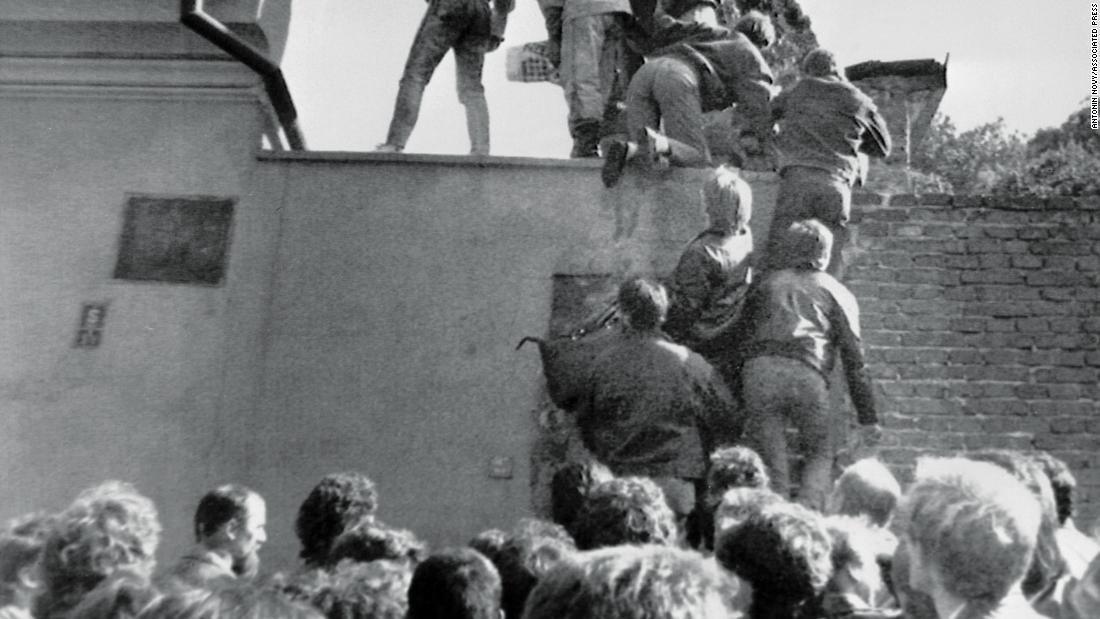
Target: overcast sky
[(1025, 61)]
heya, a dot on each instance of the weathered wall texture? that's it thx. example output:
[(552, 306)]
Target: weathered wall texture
[(982, 320)]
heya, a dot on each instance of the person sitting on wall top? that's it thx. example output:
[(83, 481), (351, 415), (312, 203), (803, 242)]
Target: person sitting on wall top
[(796, 322), (470, 28), (230, 528), (825, 126), (685, 79)]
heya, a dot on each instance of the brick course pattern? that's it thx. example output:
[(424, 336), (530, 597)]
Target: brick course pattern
[(981, 320)]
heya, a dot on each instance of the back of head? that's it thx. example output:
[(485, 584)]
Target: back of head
[(455, 584), (532, 550), (974, 524), (570, 487), (808, 244), (854, 557), (644, 303), (727, 199), (866, 488), (1061, 480), (490, 543), (757, 27), (637, 582), (735, 467), (371, 541), (1047, 564), (784, 553), (628, 510), (219, 507), (820, 63), (109, 528), (375, 590), (337, 502), (914, 604)]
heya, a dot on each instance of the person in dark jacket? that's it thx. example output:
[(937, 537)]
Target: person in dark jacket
[(710, 69), (468, 27), (827, 127), (797, 322), (651, 407), (716, 266)]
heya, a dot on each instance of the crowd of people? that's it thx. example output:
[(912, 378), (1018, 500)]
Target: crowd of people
[(986, 536)]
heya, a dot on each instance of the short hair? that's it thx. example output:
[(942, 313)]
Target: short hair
[(219, 507), (570, 487), (1061, 480), (809, 243), (20, 548), (866, 488), (371, 541), (532, 550), (338, 501), (819, 62), (231, 601), (737, 504), (643, 302), (375, 590), (735, 467), (455, 584), (633, 582), (626, 510), (122, 596), (974, 523), (727, 198), (784, 552), (914, 604), (108, 528), (1048, 564), (757, 27)]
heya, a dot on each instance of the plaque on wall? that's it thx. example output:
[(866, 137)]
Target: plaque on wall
[(179, 240)]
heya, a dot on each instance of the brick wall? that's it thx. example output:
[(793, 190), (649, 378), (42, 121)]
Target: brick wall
[(981, 320)]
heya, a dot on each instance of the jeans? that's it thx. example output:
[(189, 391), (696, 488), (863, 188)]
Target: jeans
[(810, 193), (593, 53), (779, 391), (462, 26), (667, 90)]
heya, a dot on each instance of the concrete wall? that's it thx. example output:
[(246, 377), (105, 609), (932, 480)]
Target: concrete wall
[(150, 404), (401, 287)]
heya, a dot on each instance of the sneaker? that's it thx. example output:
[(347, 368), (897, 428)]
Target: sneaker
[(614, 163), (388, 148)]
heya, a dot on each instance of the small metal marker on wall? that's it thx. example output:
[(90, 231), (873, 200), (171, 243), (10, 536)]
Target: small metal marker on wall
[(89, 333)]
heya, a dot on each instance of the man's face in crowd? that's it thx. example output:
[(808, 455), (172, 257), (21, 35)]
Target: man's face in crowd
[(248, 536)]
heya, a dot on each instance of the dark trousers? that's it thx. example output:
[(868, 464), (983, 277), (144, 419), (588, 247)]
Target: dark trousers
[(778, 392), (460, 25), (809, 193)]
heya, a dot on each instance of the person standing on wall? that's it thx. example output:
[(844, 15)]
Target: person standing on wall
[(470, 28), (827, 127), (588, 44)]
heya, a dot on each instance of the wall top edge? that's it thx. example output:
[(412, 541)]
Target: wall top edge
[(469, 161)]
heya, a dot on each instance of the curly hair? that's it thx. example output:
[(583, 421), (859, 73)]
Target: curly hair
[(231, 601), (627, 510), (375, 590), (734, 467), (20, 548), (784, 552), (634, 582), (371, 541), (338, 501), (108, 528), (737, 504), (490, 543)]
